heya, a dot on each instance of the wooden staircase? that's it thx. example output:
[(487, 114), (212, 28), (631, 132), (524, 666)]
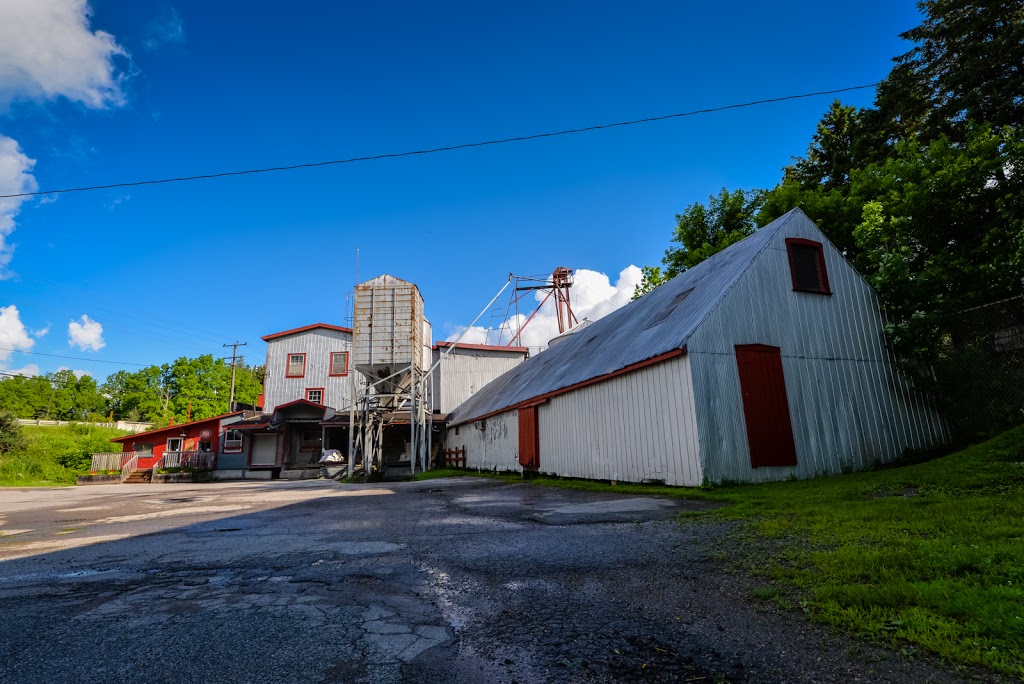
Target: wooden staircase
[(140, 475)]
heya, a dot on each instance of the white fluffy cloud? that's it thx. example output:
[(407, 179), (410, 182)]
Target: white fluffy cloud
[(592, 295), (78, 373), (14, 336), (15, 177), (48, 50), (86, 334)]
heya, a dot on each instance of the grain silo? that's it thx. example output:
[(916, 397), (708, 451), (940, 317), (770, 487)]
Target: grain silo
[(387, 333), (389, 336)]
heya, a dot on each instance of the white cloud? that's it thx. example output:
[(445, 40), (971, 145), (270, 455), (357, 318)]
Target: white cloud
[(78, 373), (14, 336), (166, 29), (120, 199), (48, 50), (87, 335), (28, 370), (15, 177), (592, 296), (41, 332)]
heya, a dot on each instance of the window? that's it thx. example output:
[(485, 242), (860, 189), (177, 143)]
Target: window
[(205, 446), (232, 440), (339, 363), (296, 366), (315, 395), (807, 266), (174, 443), (309, 440)]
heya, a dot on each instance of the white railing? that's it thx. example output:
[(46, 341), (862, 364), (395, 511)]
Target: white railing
[(129, 467), (197, 460), (111, 460), (127, 425)]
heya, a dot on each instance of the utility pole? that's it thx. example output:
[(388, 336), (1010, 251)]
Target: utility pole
[(234, 355)]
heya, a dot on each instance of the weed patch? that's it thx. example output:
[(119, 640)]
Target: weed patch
[(54, 455)]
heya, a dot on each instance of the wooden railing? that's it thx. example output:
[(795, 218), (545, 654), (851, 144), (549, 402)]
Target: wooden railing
[(129, 467), (111, 460), (197, 460)]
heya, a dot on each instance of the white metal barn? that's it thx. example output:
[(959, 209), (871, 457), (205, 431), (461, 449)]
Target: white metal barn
[(763, 362)]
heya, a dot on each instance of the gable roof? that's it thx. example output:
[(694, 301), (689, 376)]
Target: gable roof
[(650, 329), (177, 427), (295, 331)]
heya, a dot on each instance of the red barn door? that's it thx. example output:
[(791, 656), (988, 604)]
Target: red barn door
[(529, 439), (765, 406)]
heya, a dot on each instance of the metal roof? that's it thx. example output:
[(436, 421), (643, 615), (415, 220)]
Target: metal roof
[(657, 323)]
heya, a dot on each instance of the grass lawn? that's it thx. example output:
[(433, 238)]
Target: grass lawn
[(55, 455), (931, 554)]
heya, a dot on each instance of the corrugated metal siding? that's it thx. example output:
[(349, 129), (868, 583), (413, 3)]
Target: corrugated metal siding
[(636, 427), (388, 326), (849, 407), (496, 447), (464, 372), (317, 345), (657, 323)]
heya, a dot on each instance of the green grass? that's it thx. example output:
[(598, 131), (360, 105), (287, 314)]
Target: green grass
[(55, 455), (931, 553)]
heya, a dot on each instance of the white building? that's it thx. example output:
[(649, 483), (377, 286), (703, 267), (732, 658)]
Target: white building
[(763, 362), (311, 363)]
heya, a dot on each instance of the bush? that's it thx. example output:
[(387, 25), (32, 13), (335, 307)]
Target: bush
[(12, 438)]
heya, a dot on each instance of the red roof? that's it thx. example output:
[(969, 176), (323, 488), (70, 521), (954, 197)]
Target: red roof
[(300, 402), (293, 331), (488, 347), (178, 426)]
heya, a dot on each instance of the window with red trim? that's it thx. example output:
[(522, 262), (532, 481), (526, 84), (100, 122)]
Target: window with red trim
[(339, 363), (232, 440), (296, 366), (315, 395), (807, 266)]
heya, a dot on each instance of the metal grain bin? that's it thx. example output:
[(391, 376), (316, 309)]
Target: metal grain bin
[(387, 331)]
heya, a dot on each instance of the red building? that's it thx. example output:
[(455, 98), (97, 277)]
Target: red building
[(203, 436)]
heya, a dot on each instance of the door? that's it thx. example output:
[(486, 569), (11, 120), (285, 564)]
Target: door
[(264, 450), (529, 440), (765, 406)]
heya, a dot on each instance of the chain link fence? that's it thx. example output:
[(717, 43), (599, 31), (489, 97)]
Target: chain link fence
[(980, 370)]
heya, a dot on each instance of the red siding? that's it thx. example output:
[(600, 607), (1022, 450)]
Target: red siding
[(529, 439), (205, 431), (765, 406)]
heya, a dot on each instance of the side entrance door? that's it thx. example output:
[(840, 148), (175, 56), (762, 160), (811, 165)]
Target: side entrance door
[(765, 406), (529, 439)]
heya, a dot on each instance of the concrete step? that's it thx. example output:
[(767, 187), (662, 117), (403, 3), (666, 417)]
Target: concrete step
[(142, 475)]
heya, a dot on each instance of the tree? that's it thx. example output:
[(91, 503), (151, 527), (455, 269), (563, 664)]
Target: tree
[(11, 437), (652, 278), (702, 231), (967, 65), (831, 155), (193, 388)]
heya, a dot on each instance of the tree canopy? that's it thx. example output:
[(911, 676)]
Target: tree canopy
[(189, 387), (923, 192)]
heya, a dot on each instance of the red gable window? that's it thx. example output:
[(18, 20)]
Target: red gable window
[(807, 266)]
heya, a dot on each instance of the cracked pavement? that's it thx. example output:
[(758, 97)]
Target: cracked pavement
[(458, 580)]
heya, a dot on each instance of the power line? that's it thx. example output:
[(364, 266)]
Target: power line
[(76, 358), (448, 148)]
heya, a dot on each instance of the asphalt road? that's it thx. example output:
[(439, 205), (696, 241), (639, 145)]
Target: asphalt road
[(460, 580)]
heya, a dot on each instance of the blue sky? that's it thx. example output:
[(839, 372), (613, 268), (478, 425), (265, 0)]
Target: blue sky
[(179, 88)]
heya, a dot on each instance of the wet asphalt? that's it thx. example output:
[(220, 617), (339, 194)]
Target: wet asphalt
[(457, 580)]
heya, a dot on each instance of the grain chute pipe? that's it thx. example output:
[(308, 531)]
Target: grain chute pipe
[(468, 328)]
